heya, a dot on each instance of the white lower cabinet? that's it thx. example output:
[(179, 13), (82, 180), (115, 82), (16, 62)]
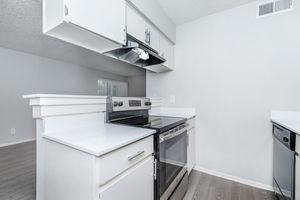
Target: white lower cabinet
[(191, 161), (135, 184), (297, 188), (123, 174)]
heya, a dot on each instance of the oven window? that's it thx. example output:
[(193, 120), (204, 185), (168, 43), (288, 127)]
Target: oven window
[(173, 158)]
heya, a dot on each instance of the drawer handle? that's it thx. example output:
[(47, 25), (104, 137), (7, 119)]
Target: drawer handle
[(130, 158)]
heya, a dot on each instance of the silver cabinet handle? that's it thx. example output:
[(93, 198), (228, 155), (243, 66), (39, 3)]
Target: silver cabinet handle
[(66, 10), (149, 41), (146, 35), (130, 158)]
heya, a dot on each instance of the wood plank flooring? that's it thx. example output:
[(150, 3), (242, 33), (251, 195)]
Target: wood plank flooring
[(207, 187), (18, 172)]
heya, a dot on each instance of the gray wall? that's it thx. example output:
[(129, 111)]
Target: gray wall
[(234, 69), (22, 73), (137, 86)]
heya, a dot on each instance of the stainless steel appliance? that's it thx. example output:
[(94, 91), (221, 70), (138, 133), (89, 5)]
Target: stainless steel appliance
[(137, 53), (284, 163), (170, 143)]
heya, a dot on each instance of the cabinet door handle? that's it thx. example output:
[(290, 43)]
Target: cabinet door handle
[(130, 158), (146, 35), (149, 41), (66, 10)]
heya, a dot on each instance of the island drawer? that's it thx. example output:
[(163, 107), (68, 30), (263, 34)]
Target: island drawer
[(118, 161)]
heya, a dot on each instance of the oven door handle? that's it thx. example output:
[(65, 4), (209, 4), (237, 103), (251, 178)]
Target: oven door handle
[(172, 135)]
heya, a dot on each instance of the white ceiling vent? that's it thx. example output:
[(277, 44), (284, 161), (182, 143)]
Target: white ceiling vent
[(274, 7)]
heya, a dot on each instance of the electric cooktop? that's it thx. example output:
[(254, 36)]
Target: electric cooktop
[(160, 123)]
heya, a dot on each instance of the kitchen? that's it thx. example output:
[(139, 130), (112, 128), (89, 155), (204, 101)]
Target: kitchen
[(224, 69)]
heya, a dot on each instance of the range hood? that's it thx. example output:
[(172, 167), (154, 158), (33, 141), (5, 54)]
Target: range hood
[(137, 53)]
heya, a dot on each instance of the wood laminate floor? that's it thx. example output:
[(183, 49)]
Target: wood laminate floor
[(18, 172), (207, 187)]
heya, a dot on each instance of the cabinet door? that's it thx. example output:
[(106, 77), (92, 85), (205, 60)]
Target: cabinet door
[(136, 24), (191, 150), (103, 17), (167, 52), (135, 184), (154, 37)]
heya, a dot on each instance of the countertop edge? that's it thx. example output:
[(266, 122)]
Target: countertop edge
[(101, 153), (283, 124)]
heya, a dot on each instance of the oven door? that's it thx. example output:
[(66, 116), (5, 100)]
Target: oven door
[(172, 159)]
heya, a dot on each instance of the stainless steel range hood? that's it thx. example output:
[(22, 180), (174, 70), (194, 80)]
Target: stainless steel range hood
[(136, 53)]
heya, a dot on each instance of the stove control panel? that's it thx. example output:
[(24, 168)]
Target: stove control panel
[(135, 103), (129, 103)]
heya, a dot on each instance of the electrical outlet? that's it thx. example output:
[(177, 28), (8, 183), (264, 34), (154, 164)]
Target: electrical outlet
[(13, 131)]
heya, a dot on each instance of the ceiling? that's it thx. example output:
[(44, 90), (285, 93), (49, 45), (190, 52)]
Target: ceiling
[(182, 11)]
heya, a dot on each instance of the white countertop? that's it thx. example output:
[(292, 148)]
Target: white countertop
[(288, 119), (187, 113), (186, 116), (99, 140), (63, 96)]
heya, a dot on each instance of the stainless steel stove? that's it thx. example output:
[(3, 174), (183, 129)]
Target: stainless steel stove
[(170, 143)]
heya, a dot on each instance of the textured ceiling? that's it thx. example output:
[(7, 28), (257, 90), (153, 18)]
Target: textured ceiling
[(182, 11), (21, 29)]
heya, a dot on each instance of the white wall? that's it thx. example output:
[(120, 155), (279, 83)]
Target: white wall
[(22, 73), (234, 69)]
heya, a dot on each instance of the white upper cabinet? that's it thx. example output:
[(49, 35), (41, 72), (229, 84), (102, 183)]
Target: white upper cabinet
[(98, 25), (136, 25), (155, 13), (103, 25), (103, 17), (141, 29), (153, 37), (167, 52)]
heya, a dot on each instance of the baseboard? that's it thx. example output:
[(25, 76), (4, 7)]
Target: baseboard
[(18, 142), (234, 178)]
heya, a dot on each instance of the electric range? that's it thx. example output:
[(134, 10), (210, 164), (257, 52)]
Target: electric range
[(170, 143)]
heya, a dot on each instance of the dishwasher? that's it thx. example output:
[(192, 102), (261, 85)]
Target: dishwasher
[(284, 156)]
